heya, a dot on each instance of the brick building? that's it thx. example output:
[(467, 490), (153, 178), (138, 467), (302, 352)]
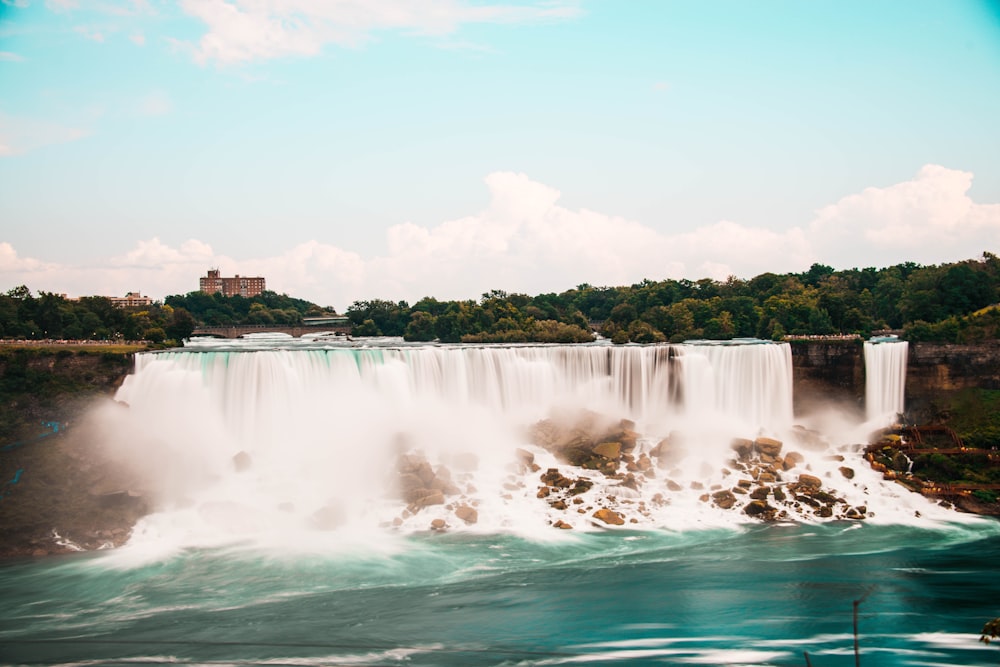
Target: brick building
[(131, 300), (237, 285)]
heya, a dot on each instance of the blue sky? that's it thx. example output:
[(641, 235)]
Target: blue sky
[(350, 149)]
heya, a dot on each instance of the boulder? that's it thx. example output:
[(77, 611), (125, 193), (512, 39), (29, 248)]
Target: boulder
[(609, 517), (810, 481), (848, 473), (724, 499), (524, 457), (562, 525), (609, 450), (433, 498), (438, 525), (768, 446), (467, 514), (757, 508), (743, 447)]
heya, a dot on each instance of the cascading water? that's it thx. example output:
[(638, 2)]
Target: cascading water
[(885, 379), (289, 446)]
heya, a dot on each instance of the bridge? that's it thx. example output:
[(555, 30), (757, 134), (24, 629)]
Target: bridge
[(239, 330)]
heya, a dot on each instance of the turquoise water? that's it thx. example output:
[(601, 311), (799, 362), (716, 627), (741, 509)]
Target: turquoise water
[(759, 595)]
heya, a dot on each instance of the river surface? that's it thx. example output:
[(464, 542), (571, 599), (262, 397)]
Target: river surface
[(754, 595)]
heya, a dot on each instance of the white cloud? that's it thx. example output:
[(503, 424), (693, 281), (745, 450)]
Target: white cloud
[(928, 220), (137, 38), (21, 135), (246, 30), (7, 56), (525, 241)]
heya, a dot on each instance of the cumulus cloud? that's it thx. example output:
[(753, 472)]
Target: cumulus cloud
[(246, 30), (523, 240), (20, 135), (927, 219)]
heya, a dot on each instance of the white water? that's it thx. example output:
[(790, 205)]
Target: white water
[(324, 429), (885, 381)]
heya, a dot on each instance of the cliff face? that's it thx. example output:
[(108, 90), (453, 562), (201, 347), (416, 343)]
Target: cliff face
[(827, 371), (59, 491), (835, 371)]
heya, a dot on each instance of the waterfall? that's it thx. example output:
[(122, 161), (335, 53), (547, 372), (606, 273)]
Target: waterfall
[(885, 379), (285, 442)]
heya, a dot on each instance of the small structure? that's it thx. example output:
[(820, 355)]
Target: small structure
[(213, 283), (131, 300)]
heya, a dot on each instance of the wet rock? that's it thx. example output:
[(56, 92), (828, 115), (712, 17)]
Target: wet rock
[(543, 492), (674, 486), (848, 473), (432, 498), (562, 525), (757, 508), (558, 504), (724, 499), (467, 514), (760, 493), (768, 446), (743, 447), (609, 517), (552, 477), (609, 450), (439, 525), (810, 481), (581, 485)]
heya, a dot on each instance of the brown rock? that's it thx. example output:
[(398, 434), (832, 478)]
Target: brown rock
[(524, 457), (433, 498), (743, 447), (810, 481), (467, 514), (438, 525), (543, 492), (724, 499), (609, 517), (609, 450), (768, 446), (848, 473), (558, 504), (757, 508), (562, 525)]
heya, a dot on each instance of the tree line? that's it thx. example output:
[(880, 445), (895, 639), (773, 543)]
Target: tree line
[(948, 302), (953, 302), (24, 315)]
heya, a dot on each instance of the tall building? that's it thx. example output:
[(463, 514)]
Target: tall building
[(237, 285)]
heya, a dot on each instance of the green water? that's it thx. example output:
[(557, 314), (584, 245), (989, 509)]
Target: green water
[(761, 595)]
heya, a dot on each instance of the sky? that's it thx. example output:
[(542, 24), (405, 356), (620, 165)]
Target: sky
[(395, 149)]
